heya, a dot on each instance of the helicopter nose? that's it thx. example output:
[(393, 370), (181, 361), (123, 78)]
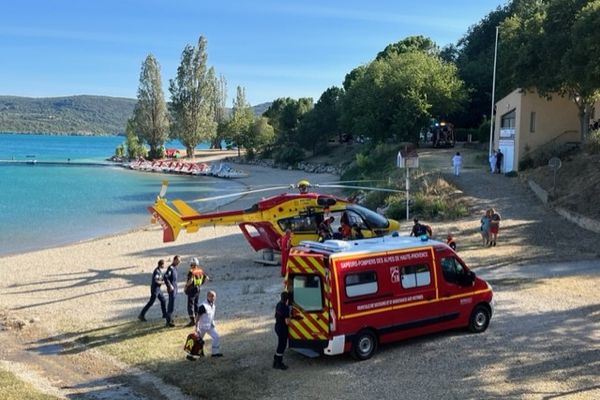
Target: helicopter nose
[(394, 225)]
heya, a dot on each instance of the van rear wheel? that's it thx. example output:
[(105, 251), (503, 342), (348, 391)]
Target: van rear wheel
[(480, 319), (364, 345)]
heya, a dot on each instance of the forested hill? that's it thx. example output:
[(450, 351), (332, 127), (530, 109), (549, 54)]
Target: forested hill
[(92, 115), (89, 115)]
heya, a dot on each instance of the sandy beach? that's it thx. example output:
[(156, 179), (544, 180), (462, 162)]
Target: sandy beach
[(70, 291), (111, 274)]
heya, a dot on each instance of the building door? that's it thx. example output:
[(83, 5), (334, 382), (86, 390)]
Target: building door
[(508, 149), (506, 144)]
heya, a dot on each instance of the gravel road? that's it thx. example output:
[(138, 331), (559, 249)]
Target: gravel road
[(543, 341)]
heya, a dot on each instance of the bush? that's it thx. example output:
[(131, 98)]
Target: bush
[(592, 145), (289, 155), (120, 150), (526, 163), (375, 199), (250, 154), (434, 201)]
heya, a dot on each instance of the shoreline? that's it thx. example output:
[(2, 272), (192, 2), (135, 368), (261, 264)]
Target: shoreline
[(256, 177)]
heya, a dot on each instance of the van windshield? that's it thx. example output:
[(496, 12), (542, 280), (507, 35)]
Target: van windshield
[(307, 292)]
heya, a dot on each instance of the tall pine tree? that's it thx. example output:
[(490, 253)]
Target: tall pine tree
[(193, 98), (241, 121), (150, 115)]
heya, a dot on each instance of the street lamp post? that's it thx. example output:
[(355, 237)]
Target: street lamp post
[(492, 119)]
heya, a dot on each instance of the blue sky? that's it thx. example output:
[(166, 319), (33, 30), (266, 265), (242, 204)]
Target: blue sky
[(272, 48)]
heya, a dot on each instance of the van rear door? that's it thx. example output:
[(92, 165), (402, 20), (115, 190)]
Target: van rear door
[(308, 283)]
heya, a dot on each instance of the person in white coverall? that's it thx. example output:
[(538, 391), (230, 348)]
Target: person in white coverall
[(205, 322), (457, 163), (492, 160)]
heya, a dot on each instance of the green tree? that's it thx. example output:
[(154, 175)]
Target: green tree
[(150, 114), (410, 44), (220, 105), (193, 98), (322, 122), (475, 62), (262, 135), (241, 120), (133, 145), (552, 49), (398, 94), (285, 115)]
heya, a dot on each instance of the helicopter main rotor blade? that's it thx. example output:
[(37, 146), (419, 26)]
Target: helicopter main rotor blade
[(237, 194), (375, 189), (356, 181)]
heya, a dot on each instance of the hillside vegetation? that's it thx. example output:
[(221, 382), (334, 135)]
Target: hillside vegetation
[(65, 115), (85, 115)]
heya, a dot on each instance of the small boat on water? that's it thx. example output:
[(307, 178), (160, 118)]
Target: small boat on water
[(221, 170)]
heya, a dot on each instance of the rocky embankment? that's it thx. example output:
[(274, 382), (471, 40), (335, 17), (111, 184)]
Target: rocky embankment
[(313, 168)]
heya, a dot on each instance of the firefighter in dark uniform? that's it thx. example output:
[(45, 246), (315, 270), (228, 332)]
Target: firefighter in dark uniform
[(155, 292), (171, 283), (282, 319)]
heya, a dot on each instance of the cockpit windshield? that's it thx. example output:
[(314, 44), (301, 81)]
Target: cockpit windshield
[(373, 220)]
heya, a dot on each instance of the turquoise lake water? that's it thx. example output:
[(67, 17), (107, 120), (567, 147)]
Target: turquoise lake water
[(49, 205)]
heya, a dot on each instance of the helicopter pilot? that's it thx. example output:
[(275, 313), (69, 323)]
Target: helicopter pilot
[(303, 186)]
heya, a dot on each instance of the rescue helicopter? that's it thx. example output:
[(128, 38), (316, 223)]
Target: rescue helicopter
[(265, 222)]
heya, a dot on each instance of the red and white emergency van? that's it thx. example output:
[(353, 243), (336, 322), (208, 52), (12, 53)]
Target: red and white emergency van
[(354, 295)]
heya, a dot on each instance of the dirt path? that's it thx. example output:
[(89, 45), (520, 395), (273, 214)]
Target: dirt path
[(530, 231)]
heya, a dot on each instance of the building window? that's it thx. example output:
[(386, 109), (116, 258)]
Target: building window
[(361, 283), (415, 276), (508, 120), (532, 122)]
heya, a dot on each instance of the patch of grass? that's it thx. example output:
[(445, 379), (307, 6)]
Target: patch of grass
[(242, 373), (435, 199), (12, 388)]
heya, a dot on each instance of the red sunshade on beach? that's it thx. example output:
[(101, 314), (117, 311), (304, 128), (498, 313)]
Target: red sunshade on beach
[(171, 152)]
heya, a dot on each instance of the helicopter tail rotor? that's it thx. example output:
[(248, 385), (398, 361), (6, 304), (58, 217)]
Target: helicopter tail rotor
[(170, 221)]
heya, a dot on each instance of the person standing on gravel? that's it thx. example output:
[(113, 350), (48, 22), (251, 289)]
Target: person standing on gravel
[(195, 278), (485, 227), (285, 244), (499, 159), (206, 323), (494, 226), (155, 292), (282, 319), (171, 283), (492, 160), (457, 163)]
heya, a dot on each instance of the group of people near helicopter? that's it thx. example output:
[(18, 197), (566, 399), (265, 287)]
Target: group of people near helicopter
[(344, 232)]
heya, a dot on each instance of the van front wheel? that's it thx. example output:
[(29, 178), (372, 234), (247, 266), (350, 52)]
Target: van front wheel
[(364, 345), (480, 319)]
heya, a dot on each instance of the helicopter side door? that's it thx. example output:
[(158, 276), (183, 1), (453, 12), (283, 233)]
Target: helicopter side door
[(303, 227)]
